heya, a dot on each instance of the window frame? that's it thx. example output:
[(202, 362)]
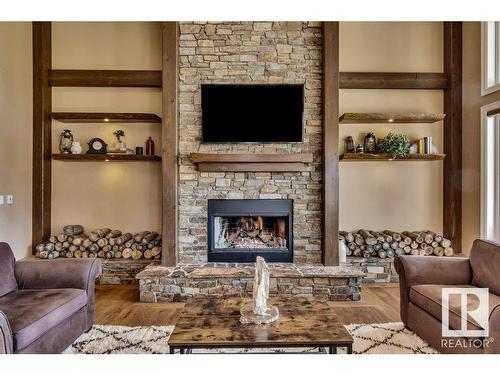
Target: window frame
[(490, 62), (490, 172)]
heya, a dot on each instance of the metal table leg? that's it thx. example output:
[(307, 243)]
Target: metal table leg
[(334, 348)]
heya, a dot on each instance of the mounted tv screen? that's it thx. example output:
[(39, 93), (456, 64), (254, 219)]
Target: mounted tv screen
[(252, 113)]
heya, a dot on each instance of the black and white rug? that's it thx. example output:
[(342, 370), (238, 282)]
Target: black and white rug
[(383, 338)]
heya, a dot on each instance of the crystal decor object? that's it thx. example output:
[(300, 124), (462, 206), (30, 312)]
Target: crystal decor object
[(260, 312)]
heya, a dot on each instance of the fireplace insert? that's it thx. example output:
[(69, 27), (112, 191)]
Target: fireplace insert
[(239, 230)]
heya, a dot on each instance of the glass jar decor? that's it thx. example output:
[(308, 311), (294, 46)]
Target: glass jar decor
[(370, 144), (350, 145)]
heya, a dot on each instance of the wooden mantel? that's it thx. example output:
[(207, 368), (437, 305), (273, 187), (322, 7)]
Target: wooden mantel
[(251, 162)]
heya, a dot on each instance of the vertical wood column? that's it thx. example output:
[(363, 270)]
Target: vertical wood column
[(42, 132), (330, 143), (169, 142), (452, 172)]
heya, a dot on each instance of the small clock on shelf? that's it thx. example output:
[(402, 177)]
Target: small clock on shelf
[(97, 146)]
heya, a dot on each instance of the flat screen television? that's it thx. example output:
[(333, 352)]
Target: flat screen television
[(252, 113)]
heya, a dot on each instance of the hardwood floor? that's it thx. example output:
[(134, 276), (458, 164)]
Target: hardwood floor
[(118, 305)]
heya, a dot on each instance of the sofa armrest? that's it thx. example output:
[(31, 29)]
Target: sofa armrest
[(415, 270), (58, 273), (6, 339), (493, 346), (61, 273)]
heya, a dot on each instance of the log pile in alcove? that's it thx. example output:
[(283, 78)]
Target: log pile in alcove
[(73, 242), (387, 243)]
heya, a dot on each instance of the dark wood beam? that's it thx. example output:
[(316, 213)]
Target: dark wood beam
[(105, 78), (42, 132), (153, 78), (452, 172), (390, 80), (169, 142), (330, 143)]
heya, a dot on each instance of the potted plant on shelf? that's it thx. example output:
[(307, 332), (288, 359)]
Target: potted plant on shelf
[(119, 146), (394, 144)]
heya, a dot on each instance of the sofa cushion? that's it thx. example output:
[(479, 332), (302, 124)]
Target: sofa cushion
[(7, 262), (485, 263), (32, 313), (428, 298)]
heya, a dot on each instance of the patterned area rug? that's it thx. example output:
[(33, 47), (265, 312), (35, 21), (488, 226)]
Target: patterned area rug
[(383, 338)]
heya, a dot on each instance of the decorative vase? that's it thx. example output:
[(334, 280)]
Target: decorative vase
[(120, 146), (65, 141), (76, 148), (150, 147)]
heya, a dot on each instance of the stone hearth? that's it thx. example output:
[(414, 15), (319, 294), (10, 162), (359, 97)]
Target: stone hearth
[(158, 283), (121, 271), (376, 270)]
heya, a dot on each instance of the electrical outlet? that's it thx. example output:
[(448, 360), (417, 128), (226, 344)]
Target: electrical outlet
[(1, 199), (10, 199)]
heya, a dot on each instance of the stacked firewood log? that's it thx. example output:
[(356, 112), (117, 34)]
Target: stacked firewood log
[(100, 243), (387, 244)]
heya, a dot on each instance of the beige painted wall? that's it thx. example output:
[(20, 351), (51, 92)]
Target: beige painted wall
[(121, 195), (15, 134), (472, 102), (127, 195), (391, 195)]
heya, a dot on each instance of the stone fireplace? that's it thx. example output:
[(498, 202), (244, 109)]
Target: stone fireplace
[(249, 53), (282, 217), (239, 230)]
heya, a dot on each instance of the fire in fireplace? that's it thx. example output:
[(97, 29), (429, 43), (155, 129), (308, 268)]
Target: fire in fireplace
[(250, 232), (239, 230)]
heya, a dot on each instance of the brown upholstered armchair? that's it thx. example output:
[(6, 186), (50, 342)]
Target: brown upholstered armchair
[(421, 282), (44, 305)]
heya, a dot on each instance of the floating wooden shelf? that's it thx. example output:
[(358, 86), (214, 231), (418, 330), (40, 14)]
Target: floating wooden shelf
[(396, 118), (251, 162), (389, 157), (105, 157), (96, 117)]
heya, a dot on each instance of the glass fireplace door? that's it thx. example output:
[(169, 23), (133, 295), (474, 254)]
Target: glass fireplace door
[(239, 230)]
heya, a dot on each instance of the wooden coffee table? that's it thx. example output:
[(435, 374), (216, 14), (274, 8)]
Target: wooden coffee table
[(210, 323)]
